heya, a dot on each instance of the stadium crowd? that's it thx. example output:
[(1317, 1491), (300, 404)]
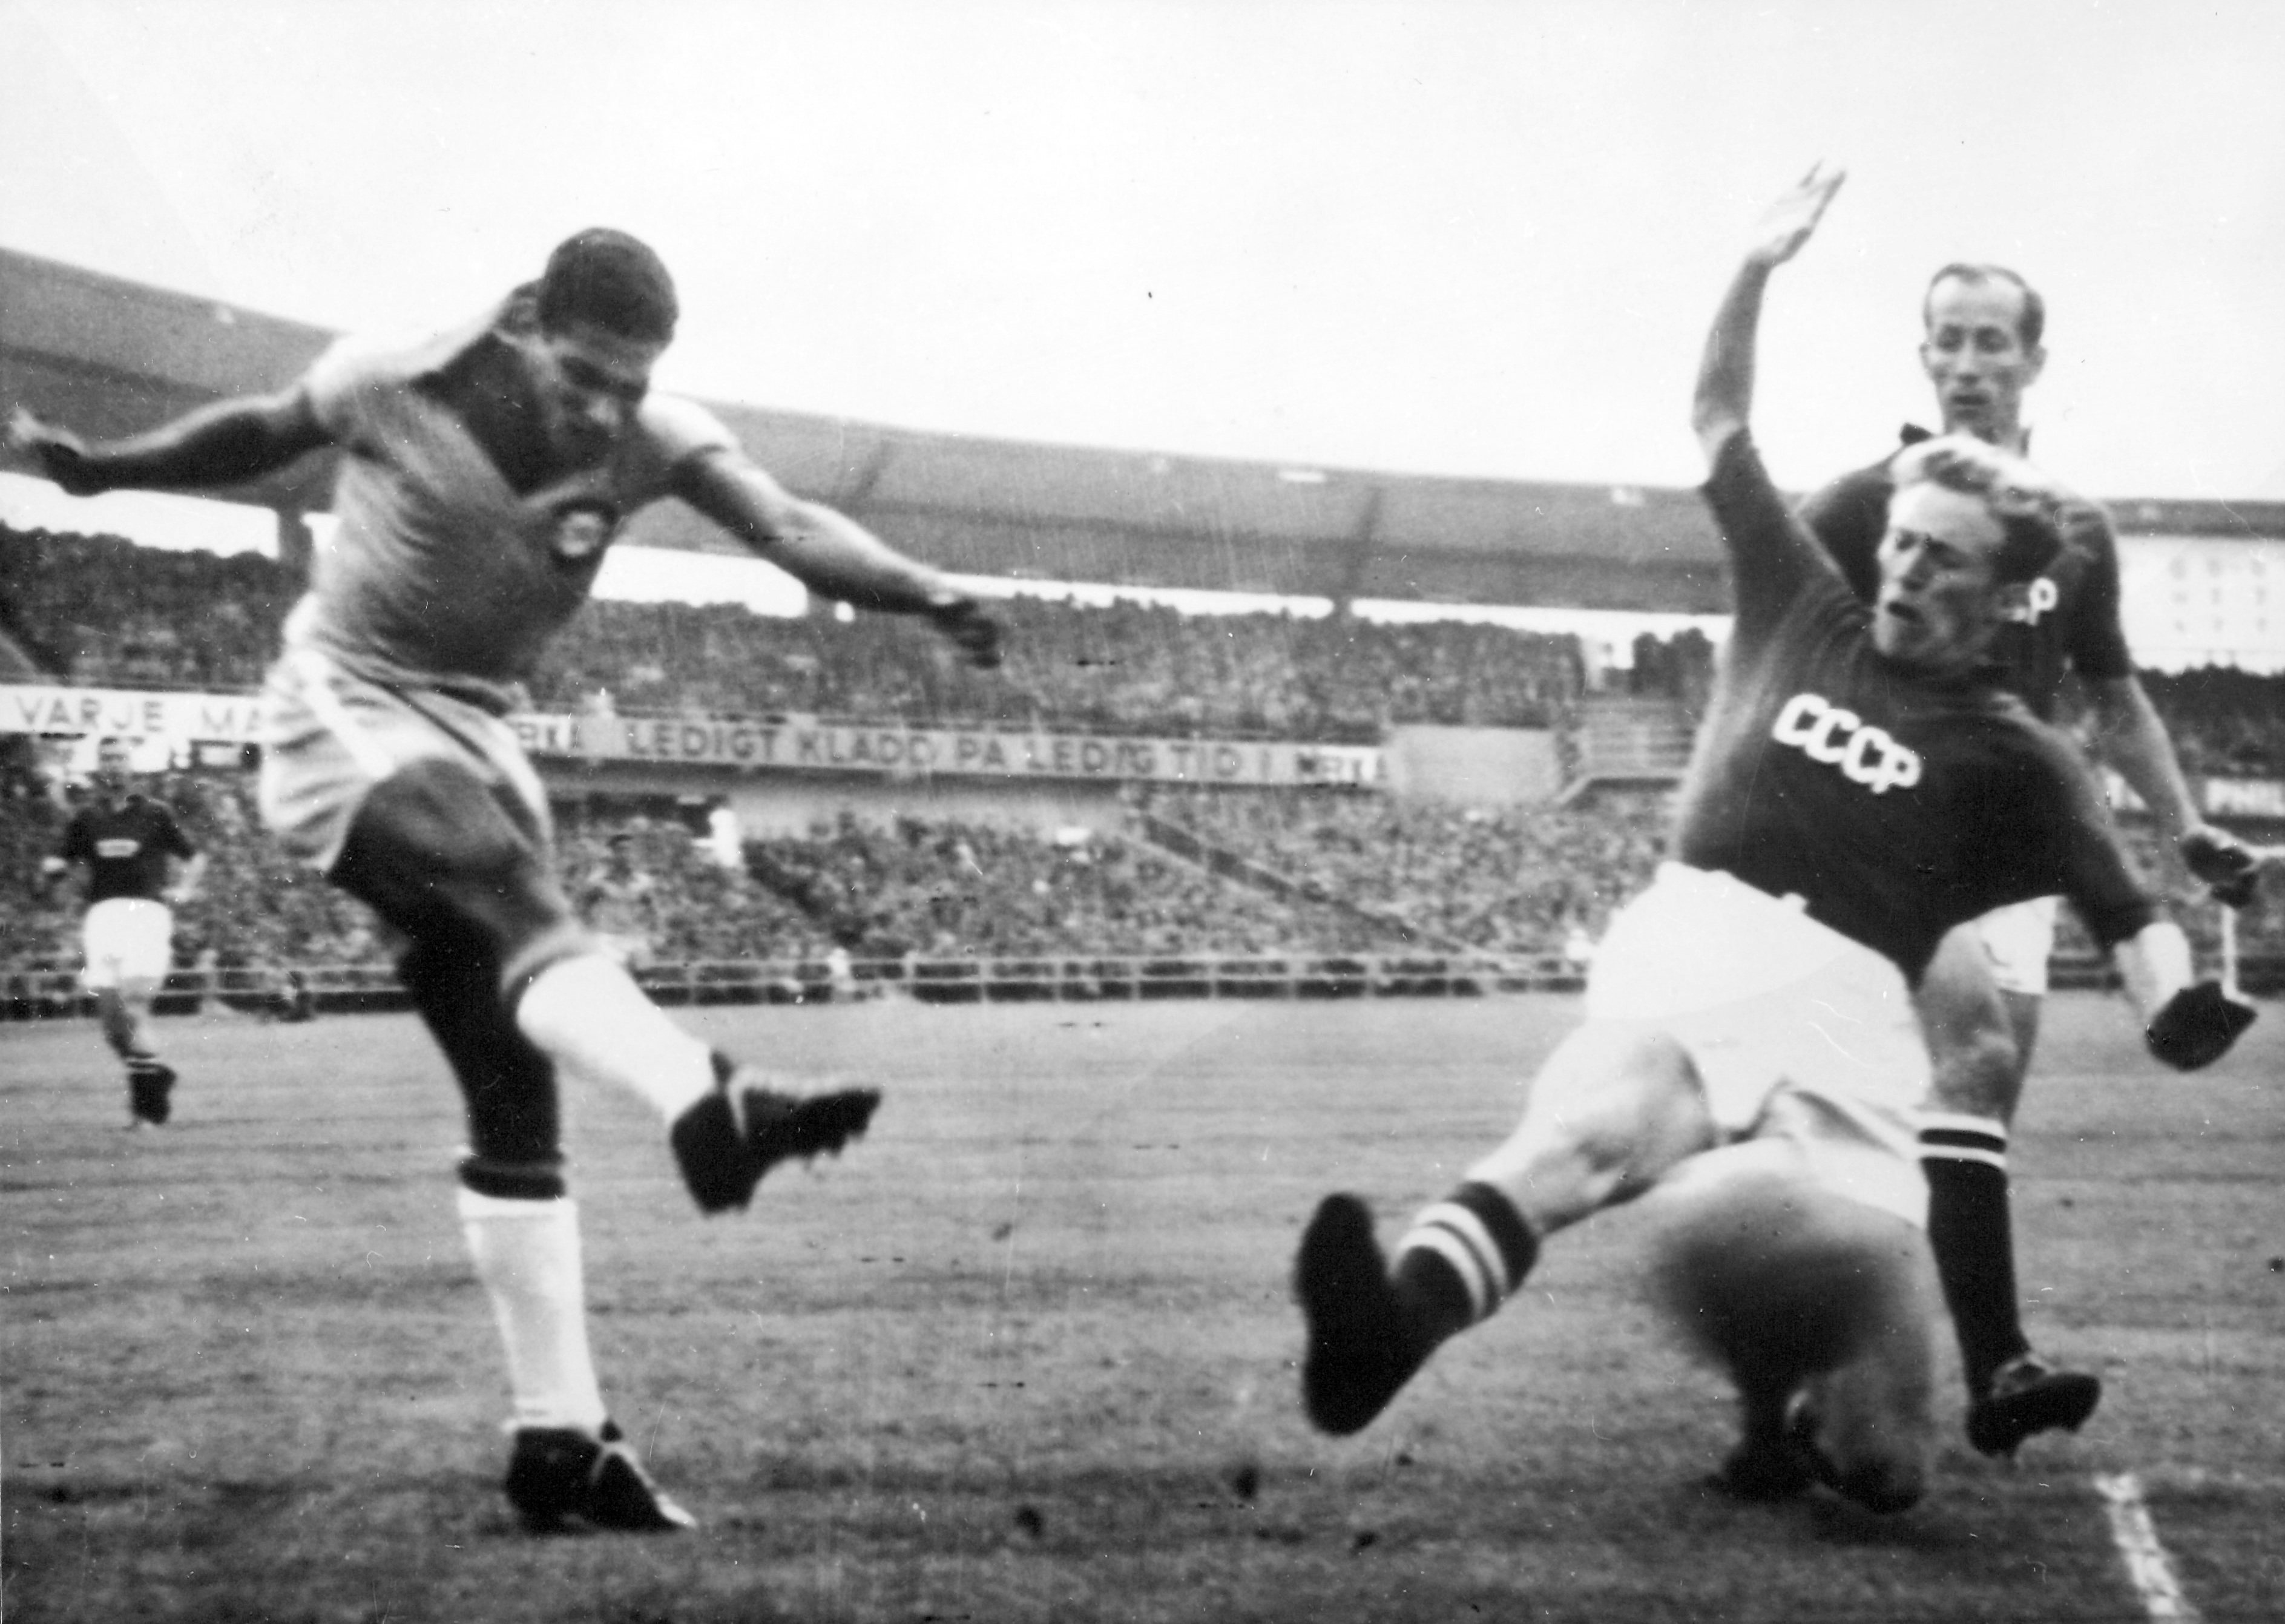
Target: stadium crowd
[(112, 613), (1499, 880)]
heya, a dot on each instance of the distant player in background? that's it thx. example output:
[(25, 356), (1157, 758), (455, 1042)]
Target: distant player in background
[(134, 864), (1750, 1050), (483, 475), (1979, 1003), (620, 904)]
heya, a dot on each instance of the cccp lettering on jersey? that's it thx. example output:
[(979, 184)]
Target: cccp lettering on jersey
[(1865, 753)]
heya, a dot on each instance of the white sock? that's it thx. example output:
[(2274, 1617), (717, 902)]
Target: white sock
[(527, 1254), (587, 1015)]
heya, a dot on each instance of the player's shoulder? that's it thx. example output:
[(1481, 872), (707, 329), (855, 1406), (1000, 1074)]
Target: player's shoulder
[(2085, 520), (376, 365), (1852, 508), (678, 427)]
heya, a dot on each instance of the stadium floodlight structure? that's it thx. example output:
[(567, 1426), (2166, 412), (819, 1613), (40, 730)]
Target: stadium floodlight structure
[(113, 357)]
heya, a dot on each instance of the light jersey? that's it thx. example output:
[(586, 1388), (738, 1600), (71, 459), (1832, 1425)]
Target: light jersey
[(439, 574), (2072, 621), (125, 848), (1895, 807)]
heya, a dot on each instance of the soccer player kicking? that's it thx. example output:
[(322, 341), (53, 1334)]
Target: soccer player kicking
[(125, 847), (1858, 789), (482, 475), (1979, 999)]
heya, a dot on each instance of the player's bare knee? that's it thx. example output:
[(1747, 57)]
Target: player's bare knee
[(1978, 1073), (1975, 1058), (1616, 1107)]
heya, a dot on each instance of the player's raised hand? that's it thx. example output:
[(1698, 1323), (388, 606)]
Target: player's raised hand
[(977, 635), (61, 454), (1792, 219)]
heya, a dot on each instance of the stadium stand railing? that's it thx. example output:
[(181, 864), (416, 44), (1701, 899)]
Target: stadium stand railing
[(1188, 845), (347, 989), (28, 996), (1635, 742)]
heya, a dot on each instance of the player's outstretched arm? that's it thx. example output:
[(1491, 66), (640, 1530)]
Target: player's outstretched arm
[(1725, 398), (221, 444), (832, 554), (2131, 736)]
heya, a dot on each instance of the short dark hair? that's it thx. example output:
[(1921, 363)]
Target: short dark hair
[(612, 280), (2031, 325)]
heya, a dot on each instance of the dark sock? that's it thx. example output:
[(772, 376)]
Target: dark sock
[(1973, 1237)]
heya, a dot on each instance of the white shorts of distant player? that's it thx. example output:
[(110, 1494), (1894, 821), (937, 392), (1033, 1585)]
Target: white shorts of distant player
[(128, 942), (2018, 941), (1797, 1033)]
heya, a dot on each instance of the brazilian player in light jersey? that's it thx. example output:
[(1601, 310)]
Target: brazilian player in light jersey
[(482, 475), (1750, 1051), (1983, 348)]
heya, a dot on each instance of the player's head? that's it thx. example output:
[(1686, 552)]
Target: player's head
[(620, 848), (608, 279), (1982, 343), (605, 312), (114, 765), (1969, 529)]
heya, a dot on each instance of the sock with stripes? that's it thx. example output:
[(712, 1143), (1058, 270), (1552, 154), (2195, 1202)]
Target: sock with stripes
[(1460, 1260), (1971, 1233)]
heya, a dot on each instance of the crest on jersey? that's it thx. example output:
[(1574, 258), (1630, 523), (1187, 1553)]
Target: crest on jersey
[(583, 529)]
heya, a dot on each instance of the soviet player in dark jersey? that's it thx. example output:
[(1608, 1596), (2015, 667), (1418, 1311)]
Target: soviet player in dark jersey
[(1979, 1000), (134, 862), (1750, 1051), (483, 474)]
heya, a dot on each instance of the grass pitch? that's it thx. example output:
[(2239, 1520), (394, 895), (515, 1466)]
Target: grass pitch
[(1028, 1353)]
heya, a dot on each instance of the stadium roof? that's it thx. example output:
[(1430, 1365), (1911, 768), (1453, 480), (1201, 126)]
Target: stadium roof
[(111, 356)]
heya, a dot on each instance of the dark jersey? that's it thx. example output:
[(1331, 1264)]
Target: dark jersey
[(125, 848), (2072, 620), (1895, 807)]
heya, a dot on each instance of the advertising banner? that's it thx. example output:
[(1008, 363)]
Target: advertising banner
[(802, 744)]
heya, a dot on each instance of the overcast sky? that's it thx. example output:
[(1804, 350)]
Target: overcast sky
[(1446, 238)]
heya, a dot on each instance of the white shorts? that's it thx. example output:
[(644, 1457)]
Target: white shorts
[(2018, 941), (328, 737), (1796, 1031), (128, 942)]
